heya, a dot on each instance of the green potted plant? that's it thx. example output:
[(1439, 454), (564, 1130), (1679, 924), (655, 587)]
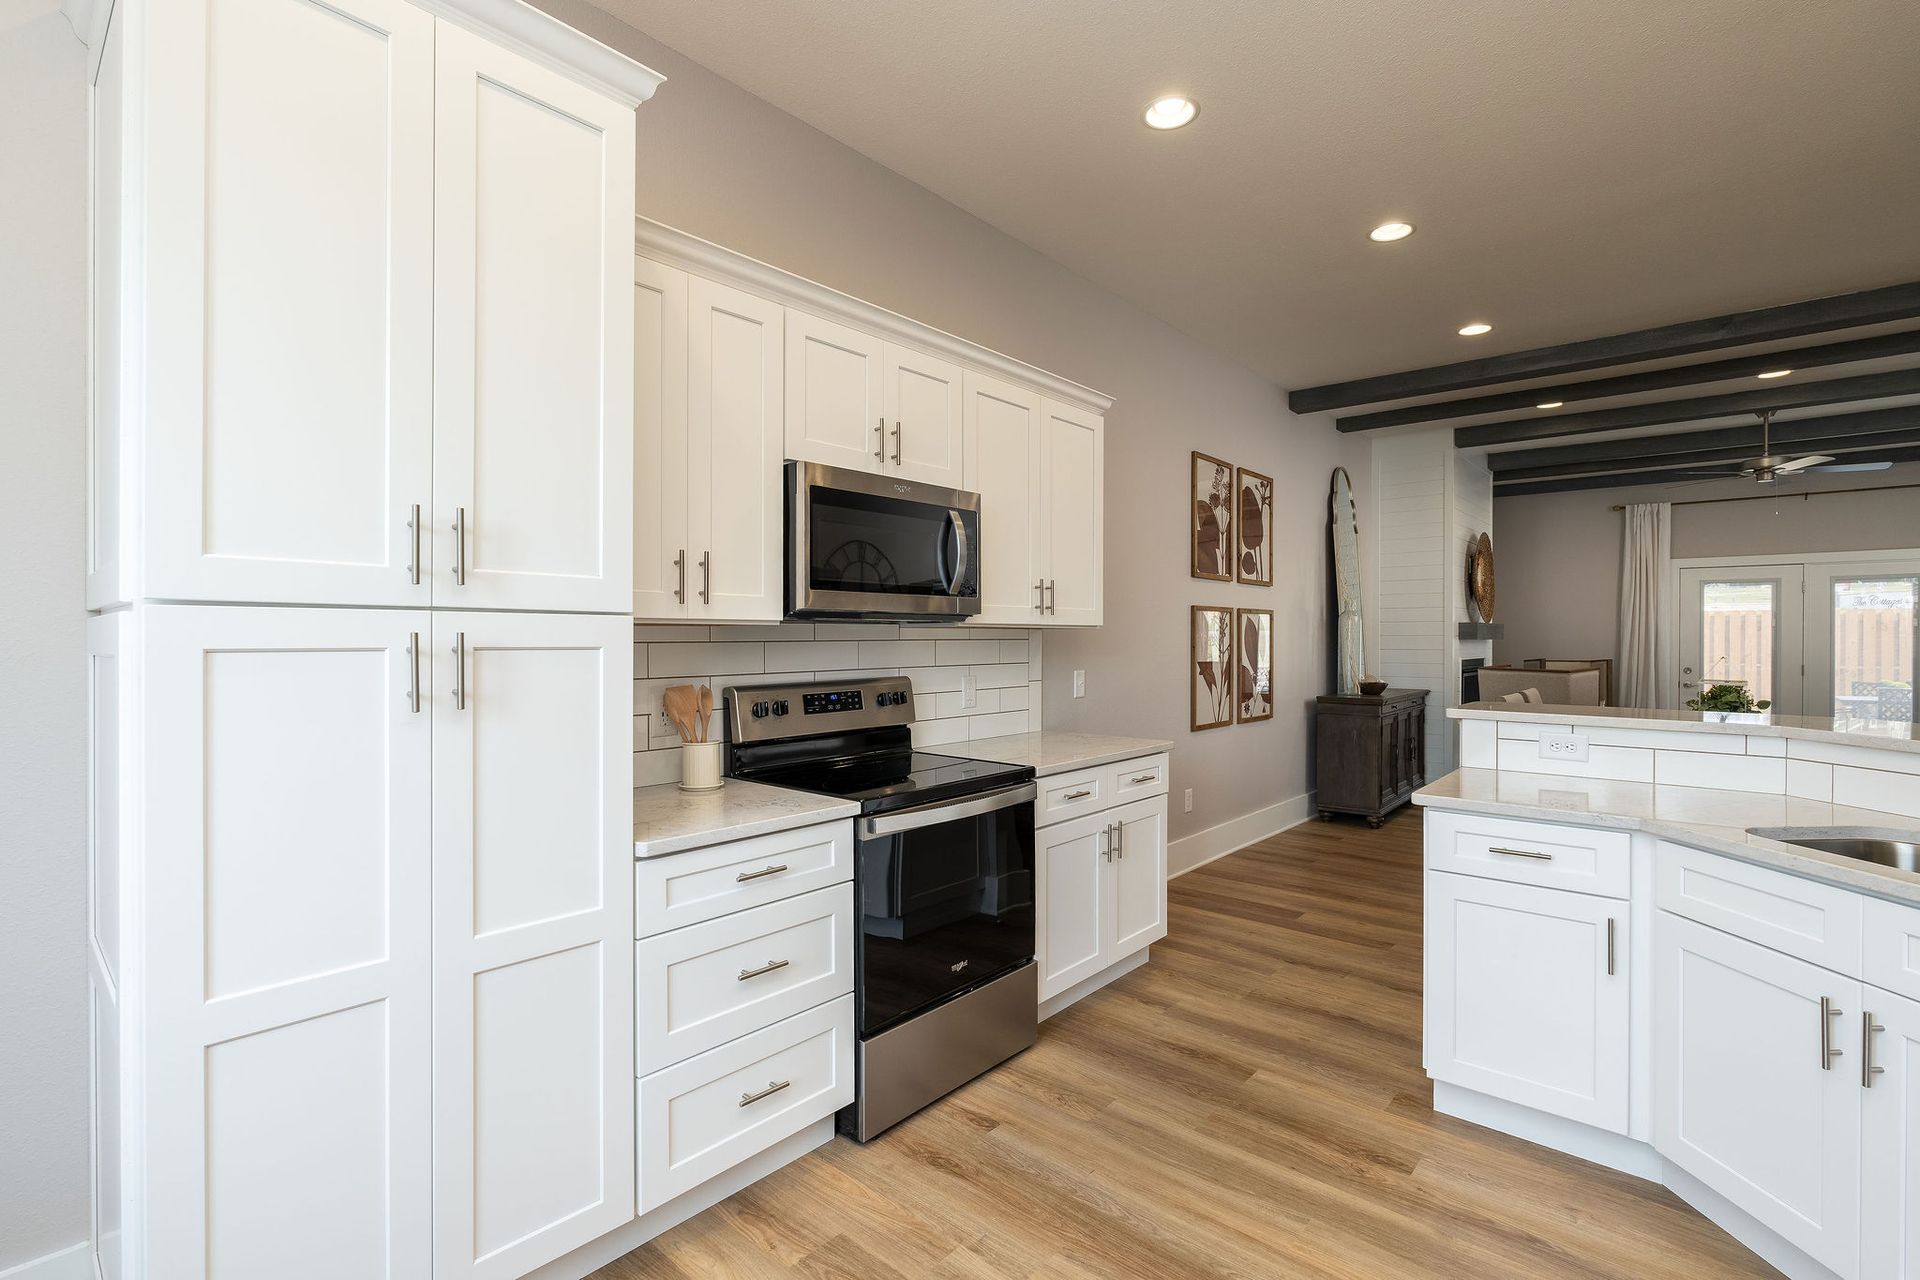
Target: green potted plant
[(1730, 702)]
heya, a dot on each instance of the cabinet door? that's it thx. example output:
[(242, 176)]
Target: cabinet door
[(1001, 437), (660, 467), (286, 921), (1745, 1098), (1391, 781), (533, 336), (1071, 497), (533, 936), (1139, 875), (735, 535), (1073, 900), (835, 406), (288, 301), (1527, 996), (1417, 746), (921, 399), (1890, 1124)]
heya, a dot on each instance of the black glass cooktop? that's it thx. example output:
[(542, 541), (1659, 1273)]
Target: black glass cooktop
[(892, 780)]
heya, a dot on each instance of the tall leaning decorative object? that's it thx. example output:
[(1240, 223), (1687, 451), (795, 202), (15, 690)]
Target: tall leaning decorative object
[(1344, 527)]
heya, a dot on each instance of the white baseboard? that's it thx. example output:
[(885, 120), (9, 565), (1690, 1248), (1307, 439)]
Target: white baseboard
[(1235, 834), (75, 1262), (1087, 986)]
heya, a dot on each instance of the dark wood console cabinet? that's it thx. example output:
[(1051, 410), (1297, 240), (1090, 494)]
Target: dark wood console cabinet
[(1370, 754)]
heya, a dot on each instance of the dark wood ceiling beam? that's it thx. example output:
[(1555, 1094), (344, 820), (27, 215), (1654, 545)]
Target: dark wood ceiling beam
[(1742, 328), (1653, 464), (1571, 484), (1879, 347), (1834, 428), (1868, 386)]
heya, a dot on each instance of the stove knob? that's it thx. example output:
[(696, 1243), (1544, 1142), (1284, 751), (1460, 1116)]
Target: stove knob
[(897, 699), (760, 710), (780, 707)]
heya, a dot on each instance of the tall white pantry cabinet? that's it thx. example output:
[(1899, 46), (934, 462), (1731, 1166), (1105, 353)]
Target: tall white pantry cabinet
[(360, 559)]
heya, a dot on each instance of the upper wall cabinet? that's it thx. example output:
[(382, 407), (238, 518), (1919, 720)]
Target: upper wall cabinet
[(858, 402), (1002, 465), (1071, 515), (921, 402), (369, 331)]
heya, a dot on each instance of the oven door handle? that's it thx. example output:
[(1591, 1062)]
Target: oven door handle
[(932, 815)]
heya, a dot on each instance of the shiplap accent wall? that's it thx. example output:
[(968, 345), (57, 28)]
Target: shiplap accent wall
[(1003, 661), (1411, 483)]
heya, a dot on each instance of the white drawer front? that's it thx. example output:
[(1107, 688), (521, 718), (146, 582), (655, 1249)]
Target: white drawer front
[(1138, 779), (679, 889), (1820, 923), (1893, 947), (701, 1117), (1583, 859), (1070, 795), (702, 986)]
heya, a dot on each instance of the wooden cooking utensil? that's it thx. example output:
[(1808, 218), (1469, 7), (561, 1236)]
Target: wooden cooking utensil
[(682, 705), (706, 709)]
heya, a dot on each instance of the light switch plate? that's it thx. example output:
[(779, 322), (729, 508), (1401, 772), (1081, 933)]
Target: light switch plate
[(1563, 746), (969, 691), (1079, 684), (1187, 801)]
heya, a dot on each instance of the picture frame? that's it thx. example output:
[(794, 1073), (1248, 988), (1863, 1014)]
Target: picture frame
[(1253, 527), (1253, 665), (1210, 672), (1210, 518)]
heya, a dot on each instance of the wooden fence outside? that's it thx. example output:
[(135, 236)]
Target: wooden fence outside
[(1870, 647)]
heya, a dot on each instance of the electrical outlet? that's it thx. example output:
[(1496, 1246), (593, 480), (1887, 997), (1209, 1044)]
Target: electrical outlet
[(969, 690), (1079, 684), (1563, 746), (1186, 801)]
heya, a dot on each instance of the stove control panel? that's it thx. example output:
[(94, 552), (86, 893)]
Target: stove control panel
[(767, 712)]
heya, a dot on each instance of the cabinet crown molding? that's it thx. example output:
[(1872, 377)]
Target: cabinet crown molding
[(547, 40), (677, 248)]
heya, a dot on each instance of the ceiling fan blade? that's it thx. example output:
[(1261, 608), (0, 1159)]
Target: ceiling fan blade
[(1855, 466), (1801, 464)]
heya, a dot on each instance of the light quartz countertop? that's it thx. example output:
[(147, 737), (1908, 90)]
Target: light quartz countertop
[(669, 820), (1887, 735), (1051, 751), (1698, 816)]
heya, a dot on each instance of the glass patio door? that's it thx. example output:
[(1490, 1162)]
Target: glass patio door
[(1741, 625), (1862, 631)]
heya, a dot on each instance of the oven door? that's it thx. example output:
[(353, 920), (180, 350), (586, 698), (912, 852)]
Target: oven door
[(946, 901), (870, 546)]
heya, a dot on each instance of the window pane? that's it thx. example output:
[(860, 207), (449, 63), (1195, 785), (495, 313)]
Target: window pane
[(1873, 647), (1737, 621)]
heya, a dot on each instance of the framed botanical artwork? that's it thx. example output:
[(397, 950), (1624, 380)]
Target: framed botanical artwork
[(1212, 519), (1253, 681), (1211, 679), (1253, 503)]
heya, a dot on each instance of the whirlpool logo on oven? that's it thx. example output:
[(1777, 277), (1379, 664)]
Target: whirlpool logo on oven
[(960, 967)]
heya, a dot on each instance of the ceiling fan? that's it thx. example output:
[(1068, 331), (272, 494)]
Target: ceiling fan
[(1771, 466)]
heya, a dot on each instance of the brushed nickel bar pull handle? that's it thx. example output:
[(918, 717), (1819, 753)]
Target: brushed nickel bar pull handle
[(413, 665), (680, 576), (880, 440), (1077, 795), (1120, 838), (1610, 946), (1867, 1070), (1040, 590), (706, 577), (1828, 1012), (460, 671), (1521, 853), (1145, 777), (768, 967), (1053, 597), (748, 1099), (460, 547), (1106, 843), (774, 870), (896, 444), (413, 533)]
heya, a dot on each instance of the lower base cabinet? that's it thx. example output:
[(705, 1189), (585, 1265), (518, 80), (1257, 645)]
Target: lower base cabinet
[(1890, 1142), (1101, 879)]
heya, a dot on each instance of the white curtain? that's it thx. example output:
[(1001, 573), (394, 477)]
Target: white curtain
[(1645, 676)]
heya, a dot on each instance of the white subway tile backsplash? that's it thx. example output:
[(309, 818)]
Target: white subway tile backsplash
[(935, 679), (1034, 647), (1666, 740), (648, 632), (1622, 764), (856, 631), (949, 652), (936, 733), (1757, 746), (711, 658), (1001, 675), (1519, 729), (1013, 651), (764, 631), (814, 655), (1723, 772), (1810, 780), (1477, 745), (997, 726), (898, 653), (1862, 757), (1877, 789)]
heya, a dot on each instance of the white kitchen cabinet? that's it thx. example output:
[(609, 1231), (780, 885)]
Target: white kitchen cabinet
[(1002, 436), (286, 302), (1100, 889), (1756, 1083), (921, 401), (1071, 514), (662, 480), (285, 967), (1139, 875), (533, 335), (835, 397), (1890, 1147), (533, 930), (1527, 996)]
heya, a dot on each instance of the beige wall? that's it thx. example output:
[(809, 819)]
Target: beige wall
[(43, 764), (725, 165), (1558, 555)]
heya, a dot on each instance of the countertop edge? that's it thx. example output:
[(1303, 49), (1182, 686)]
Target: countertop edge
[(1121, 748), (1549, 713), (684, 842)]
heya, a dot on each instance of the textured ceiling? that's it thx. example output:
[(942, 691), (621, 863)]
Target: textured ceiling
[(1575, 169)]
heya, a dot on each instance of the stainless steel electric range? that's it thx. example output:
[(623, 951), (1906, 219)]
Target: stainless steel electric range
[(944, 979)]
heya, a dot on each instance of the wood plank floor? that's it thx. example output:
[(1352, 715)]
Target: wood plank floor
[(1249, 1104)]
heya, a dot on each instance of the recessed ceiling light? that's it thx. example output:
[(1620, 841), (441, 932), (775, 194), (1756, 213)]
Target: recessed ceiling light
[(1388, 232), (1171, 112), (1550, 404), (1775, 373), (1475, 329)]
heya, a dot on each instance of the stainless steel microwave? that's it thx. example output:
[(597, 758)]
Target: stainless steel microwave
[(866, 546)]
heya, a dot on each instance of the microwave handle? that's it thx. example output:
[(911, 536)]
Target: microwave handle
[(963, 554)]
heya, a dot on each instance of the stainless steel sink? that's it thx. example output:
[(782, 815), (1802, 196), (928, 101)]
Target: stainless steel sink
[(1886, 847)]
